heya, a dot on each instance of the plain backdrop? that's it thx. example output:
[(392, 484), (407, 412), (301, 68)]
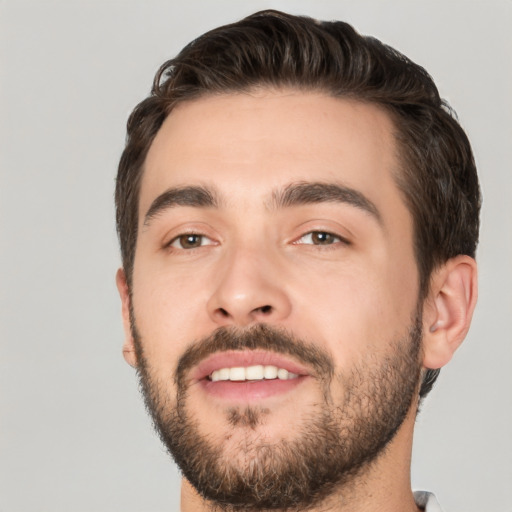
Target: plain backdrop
[(74, 435)]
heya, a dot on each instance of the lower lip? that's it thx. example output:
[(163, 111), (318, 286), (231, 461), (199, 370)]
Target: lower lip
[(250, 390)]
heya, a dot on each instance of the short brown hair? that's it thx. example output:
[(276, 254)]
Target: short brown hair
[(438, 176)]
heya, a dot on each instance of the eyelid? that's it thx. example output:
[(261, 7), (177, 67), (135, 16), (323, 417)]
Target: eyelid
[(339, 238), (173, 241), (176, 239)]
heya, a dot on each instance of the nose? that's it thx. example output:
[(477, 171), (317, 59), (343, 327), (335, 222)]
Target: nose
[(248, 290)]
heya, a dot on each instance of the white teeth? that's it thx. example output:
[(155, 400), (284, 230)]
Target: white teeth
[(237, 373), (282, 374), (254, 372), (270, 372), (223, 374), (257, 372)]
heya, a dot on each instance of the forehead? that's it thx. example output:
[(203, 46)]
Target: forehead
[(249, 143)]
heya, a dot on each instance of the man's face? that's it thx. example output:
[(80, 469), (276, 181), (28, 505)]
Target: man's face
[(273, 238)]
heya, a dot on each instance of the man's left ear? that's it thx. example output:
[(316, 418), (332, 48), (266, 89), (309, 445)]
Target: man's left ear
[(448, 309)]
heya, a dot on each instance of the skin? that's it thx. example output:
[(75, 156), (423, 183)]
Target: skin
[(258, 262)]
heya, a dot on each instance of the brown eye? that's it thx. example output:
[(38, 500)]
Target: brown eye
[(190, 241), (319, 238), (322, 238)]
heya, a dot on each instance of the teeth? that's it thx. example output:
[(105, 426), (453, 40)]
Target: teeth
[(254, 372), (237, 373), (270, 372), (223, 374), (257, 372), (282, 374)]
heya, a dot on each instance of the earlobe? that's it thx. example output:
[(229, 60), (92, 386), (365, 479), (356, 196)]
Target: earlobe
[(124, 293), (448, 310)]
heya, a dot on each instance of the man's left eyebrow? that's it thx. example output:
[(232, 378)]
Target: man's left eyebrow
[(302, 193), (195, 196)]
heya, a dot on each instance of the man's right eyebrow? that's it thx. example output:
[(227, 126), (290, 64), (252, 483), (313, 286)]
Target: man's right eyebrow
[(195, 196)]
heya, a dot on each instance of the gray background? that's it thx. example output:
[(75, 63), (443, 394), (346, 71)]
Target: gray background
[(73, 432)]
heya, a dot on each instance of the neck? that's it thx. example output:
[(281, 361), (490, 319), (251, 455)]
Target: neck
[(383, 486)]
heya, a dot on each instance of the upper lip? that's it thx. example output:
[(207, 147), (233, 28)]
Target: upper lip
[(237, 358)]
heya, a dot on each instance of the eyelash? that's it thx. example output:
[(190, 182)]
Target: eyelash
[(334, 239), (180, 238)]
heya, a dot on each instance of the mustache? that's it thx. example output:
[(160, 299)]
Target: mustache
[(256, 337)]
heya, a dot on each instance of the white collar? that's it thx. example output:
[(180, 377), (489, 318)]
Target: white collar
[(427, 501)]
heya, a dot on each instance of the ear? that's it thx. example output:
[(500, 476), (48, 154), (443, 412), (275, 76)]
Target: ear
[(124, 292), (448, 310)]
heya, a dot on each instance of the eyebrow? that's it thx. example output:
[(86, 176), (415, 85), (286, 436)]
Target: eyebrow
[(303, 193), (195, 196), (295, 194)]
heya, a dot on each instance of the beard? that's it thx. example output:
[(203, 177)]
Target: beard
[(326, 451)]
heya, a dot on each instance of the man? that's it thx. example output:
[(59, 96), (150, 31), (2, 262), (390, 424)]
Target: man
[(298, 218)]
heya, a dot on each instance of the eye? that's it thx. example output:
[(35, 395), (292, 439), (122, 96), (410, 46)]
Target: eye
[(190, 241), (319, 238)]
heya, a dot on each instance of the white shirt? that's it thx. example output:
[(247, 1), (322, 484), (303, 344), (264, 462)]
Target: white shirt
[(427, 501)]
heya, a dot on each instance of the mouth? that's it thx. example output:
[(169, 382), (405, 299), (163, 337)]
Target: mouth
[(245, 376), (251, 373)]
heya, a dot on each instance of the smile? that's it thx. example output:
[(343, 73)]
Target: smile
[(249, 375), (252, 373)]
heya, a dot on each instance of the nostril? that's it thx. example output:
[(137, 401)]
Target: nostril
[(223, 312), (265, 309)]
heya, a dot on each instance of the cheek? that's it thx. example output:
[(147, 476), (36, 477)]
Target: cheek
[(359, 307), (166, 310)]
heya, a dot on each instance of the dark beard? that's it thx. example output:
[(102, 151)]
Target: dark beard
[(332, 445)]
